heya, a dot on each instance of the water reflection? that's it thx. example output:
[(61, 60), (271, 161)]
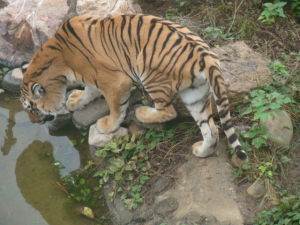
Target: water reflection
[(35, 177), (28, 194), (9, 139)]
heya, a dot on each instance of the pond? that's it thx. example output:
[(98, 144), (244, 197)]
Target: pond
[(28, 178)]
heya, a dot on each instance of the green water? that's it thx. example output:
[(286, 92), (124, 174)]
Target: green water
[(29, 194)]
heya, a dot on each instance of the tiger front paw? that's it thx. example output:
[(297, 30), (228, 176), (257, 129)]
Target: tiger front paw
[(107, 124), (74, 101)]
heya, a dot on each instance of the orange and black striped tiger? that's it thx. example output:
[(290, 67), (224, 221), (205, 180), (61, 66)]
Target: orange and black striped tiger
[(109, 55)]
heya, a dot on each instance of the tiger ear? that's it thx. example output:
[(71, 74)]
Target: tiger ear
[(37, 90)]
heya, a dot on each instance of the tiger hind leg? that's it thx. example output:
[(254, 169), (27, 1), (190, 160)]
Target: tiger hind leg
[(198, 102), (80, 98), (162, 111)]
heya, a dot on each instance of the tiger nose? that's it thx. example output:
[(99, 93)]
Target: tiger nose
[(26, 105)]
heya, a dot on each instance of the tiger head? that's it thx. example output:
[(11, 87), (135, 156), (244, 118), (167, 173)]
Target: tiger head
[(43, 90)]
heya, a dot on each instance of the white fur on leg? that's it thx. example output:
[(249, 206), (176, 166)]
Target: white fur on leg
[(201, 150)]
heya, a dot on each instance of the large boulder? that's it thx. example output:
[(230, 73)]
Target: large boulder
[(243, 68), (280, 126), (25, 25), (104, 7)]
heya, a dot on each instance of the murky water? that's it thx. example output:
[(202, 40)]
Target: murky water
[(28, 191)]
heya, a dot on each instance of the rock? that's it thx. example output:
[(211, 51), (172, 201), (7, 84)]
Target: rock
[(236, 162), (12, 80), (192, 218), (119, 214), (205, 186), (281, 128), (1, 91), (166, 206), (25, 29), (257, 189), (161, 184), (134, 129), (211, 220), (99, 140), (88, 212), (17, 74), (243, 69), (104, 7), (95, 110), (143, 214)]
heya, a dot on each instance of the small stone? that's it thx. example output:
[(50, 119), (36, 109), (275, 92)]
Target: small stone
[(236, 162), (1, 91), (280, 127), (166, 206), (257, 189), (134, 129), (161, 184), (88, 212), (211, 220), (99, 140), (17, 74), (95, 110), (192, 218), (10, 83)]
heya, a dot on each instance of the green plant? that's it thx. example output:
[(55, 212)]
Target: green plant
[(295, 6), (215, 32), (78, 188), (263, 104), (126, 162), (267, 169), (279, 71), (286, 213), (127, 159), (257, 136), (271, 11), (3, 70)]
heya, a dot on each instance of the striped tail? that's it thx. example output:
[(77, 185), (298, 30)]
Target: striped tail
[(220, 95)]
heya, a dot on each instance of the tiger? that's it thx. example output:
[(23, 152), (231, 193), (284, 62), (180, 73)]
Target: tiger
[(109, 55)]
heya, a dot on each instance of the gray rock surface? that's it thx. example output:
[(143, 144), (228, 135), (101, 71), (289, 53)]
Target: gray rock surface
[(104, 7), (205, 186), (243, 68), (12, 80), (166, 206), (257, 189), (161, 184), (91, 113), (281, 128)]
